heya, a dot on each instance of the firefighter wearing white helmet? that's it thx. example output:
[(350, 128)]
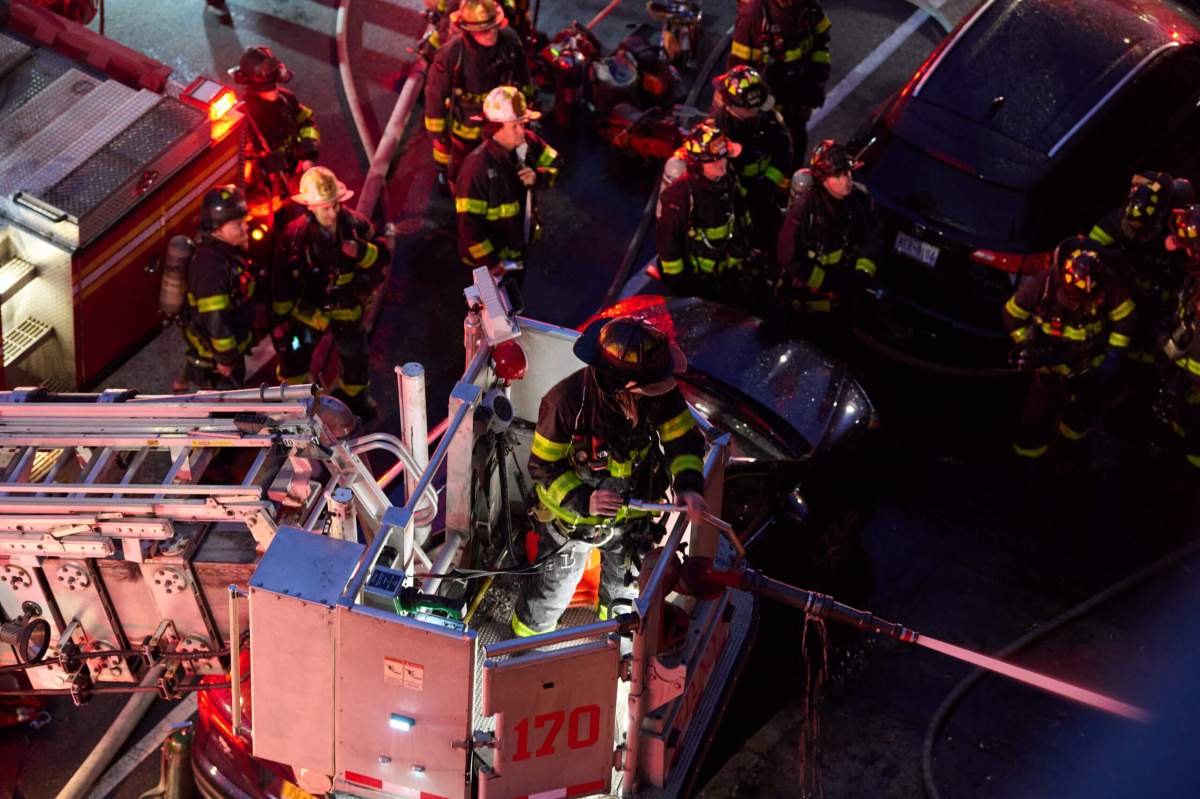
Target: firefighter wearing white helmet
[(326, 263), (487, 54), (494, 195)]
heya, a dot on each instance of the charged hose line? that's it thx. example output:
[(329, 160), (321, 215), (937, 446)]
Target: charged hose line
[(635, 244), (1083, 608)]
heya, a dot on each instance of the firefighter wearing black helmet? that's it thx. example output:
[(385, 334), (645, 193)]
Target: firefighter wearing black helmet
[(703, 229), (220, 313), (1135, 234), (326, 263), (787, 41), (284, 129), (616, 430), (1072, 326), (830, 242), (744, 108), (487, 54), (1179, 400)]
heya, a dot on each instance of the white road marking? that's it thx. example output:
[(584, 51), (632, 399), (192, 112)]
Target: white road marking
[(882, 52), (149, 743)]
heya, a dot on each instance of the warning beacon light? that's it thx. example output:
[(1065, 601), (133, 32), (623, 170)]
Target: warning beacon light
[(216, 98)]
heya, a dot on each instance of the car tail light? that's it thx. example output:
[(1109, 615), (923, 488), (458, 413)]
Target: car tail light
[(1018, 263)]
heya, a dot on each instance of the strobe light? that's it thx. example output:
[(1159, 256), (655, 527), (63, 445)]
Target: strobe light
[(28, 634)]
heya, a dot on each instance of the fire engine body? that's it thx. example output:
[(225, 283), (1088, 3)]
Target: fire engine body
[(168, 524), (102, 160)]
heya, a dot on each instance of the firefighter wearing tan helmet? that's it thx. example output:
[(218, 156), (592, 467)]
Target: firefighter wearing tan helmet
[(487, 54), (494, 198), (616, 430), (326, 264)]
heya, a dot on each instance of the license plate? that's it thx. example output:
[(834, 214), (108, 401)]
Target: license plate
[(916, 249), (293, 791)]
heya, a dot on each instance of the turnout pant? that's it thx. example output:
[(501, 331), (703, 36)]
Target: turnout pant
[(546, 595), (295, 349), (1069, 403)]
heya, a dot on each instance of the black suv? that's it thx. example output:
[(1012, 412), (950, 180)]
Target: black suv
[(1023, 127)]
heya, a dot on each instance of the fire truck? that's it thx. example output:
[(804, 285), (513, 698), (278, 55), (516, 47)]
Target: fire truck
[(102, 160)]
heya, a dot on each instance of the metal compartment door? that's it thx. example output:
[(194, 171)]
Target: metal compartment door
[(555, 716), (403, 705)]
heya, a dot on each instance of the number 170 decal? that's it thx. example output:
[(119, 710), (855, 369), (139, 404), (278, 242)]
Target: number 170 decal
[(583, 730)]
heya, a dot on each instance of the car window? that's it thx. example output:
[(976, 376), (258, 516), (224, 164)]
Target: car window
[(752, 437)]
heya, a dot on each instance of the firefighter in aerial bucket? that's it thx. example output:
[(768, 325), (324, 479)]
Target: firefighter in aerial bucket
[(617, 429)]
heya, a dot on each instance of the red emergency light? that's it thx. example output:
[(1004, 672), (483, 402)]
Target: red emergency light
[(216, 98)]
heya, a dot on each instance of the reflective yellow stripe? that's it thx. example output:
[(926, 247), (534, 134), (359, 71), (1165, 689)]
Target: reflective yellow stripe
[(481, 249), (1030, 452), (1014, 310), (311, 317), (468, 205), (740, 50), (775, 176), (549, 450), (282, 307), (675, 427), (216, 302), (224, 344), (368, 260), (816, 278), (309, 133), (1121, 311), (547, 157), (201, 349), (562, 485), (755, 167), (1101, 235), (671, 267), (351, 389), (1022, 334), (504, 211), (682, 463), (305, 113), (1071, 434), (440, 156), (1118, 340), (831, 258), (293, 380), (796, 53), (1190, 364), (1194, 460), (820, 57), (465, 131), (522, 630), (619, 468), (435, 124), (602, 612), (346, 314), (865, 265), (822, 306), (344, 279), (823, 25)]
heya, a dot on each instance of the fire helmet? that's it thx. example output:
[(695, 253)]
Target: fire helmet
[(507, 104), (742, 87), (1149, 199), (319, 186), (1182, 192), (220, 205), (627, 352), (1185, 227), (477, 16), (707, 142), (829, 159), (259, 68), (1080, 263)]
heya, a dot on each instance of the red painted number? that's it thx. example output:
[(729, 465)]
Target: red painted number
[(583, 730)]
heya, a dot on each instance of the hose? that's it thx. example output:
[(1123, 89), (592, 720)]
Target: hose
[(963, 688), (635, 244), (114, 737)]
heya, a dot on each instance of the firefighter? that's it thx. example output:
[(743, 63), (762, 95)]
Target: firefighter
[(744, 109), (1180, 389), (1135, 234), (830, 240), (326, 262), (438, 12), (616, 430), (1072, 326), (787, 41), (703, 229), (495, 191), (220, 288), (221, 9), (487, 54), (284, 126)]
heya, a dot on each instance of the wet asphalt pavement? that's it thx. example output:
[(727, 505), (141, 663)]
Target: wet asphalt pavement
[(965, 543)]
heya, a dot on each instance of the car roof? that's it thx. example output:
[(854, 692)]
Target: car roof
[(1053, 63)]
